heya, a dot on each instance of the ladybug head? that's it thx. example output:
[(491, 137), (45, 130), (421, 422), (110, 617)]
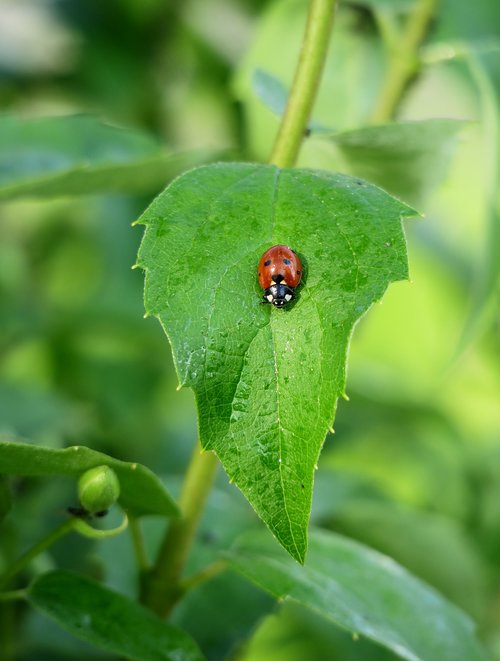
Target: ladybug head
[(278, 295)]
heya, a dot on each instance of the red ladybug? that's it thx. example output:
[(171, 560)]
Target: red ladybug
[(280, 271)]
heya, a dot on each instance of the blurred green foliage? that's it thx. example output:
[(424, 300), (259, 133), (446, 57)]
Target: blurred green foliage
[(414, 466)]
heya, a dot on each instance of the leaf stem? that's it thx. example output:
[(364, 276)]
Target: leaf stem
[(13, 595), (404, 60), (63, 529), (140, 550), (305, 83), (161, 586), (86, 530), (203, 575)]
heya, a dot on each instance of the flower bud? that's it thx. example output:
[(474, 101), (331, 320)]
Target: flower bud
[(98, 489)]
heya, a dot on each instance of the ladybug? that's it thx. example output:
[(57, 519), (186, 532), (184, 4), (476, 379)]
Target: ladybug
[(280, 271)]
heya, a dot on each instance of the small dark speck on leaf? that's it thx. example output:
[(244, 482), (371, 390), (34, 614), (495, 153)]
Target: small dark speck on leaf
[(207, 537)]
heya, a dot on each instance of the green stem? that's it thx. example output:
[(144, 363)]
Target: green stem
[(161, 585), (203, 575), (22, 562), (404, 61), (9, 626), (388, 27), (140, 551), (86, 530), (13, 595), (305, 83)]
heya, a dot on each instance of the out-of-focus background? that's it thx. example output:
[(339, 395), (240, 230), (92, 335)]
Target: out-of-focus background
[(414, 466)]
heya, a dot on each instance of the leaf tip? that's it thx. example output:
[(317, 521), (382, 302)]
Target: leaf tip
[(300, 555), (410, 212)]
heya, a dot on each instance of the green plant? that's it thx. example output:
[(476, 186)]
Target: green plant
[(266, 381)]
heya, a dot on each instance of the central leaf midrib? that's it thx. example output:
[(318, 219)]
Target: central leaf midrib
[(280, 440), (276, 375)]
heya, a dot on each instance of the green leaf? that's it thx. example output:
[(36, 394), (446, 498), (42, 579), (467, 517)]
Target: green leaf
[(54, 156), (141, 490), (363, 591), (432, 546), (408, 159), (267, 380), (109, 620), (447, 50), (270, 90), (484, 304)]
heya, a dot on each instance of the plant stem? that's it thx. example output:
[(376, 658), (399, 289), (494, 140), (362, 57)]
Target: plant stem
[(140, 551), (305, 83), (203, 575), (161, 586), (22, 562), (404, 61), (13, 595)]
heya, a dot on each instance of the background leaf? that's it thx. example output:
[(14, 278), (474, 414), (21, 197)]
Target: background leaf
[(109, 620), (141, 490), (270, 90), (364, 592), (72, 155), (433, 546), (408, 159), (266, 380)]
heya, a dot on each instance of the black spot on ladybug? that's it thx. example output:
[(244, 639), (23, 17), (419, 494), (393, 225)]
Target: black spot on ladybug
[(267, 262), (277, 278), (286, 261)]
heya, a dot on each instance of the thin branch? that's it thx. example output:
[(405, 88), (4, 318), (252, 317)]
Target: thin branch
[(203, 575), (140, 550), (63, 529), (13, 595), (161, 585), (305, 84), (404, 60)]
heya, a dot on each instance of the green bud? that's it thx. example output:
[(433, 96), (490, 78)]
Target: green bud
[(98, 489)]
